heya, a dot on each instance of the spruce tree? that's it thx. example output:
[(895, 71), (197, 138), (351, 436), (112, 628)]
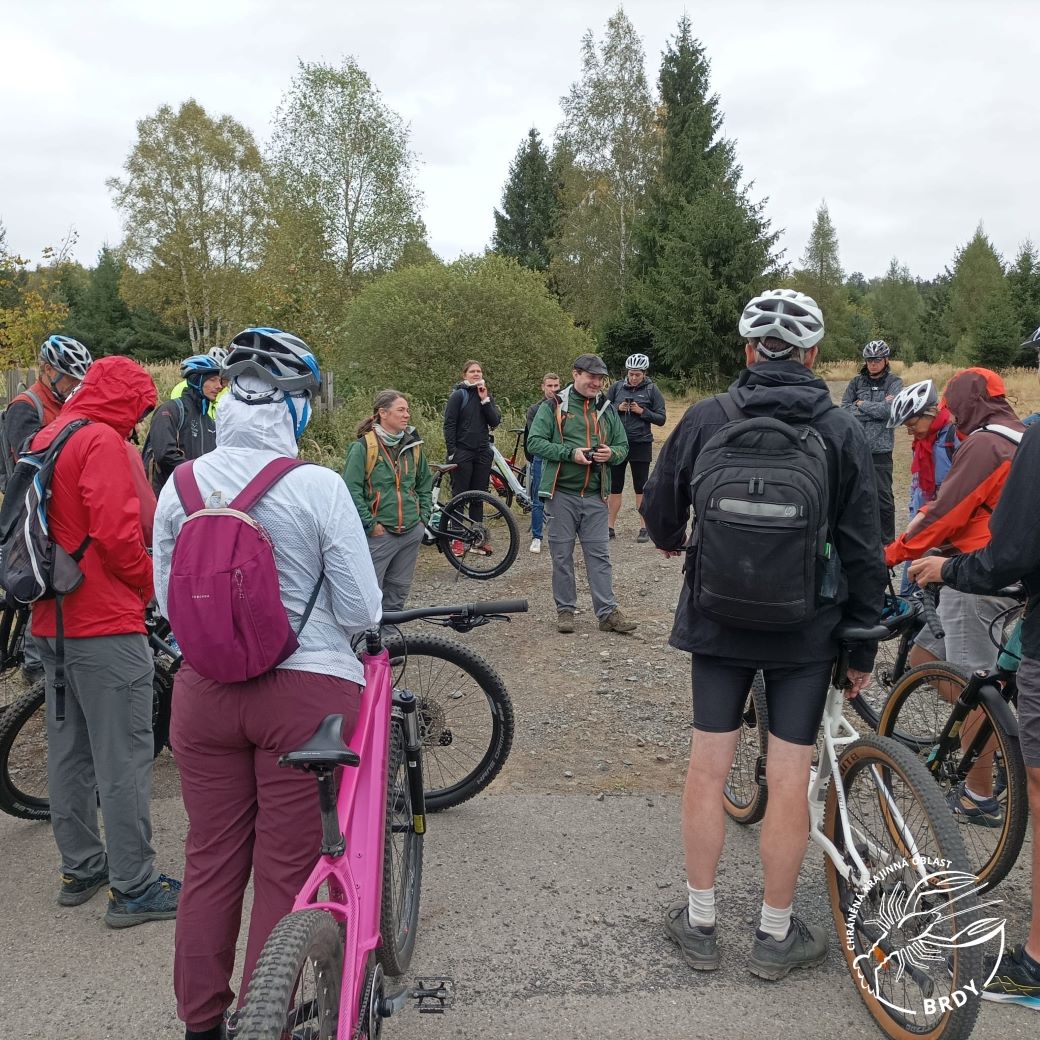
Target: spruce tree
[(820, 275), (525, 224), (704, 247), (1024, 283), (978, 276)]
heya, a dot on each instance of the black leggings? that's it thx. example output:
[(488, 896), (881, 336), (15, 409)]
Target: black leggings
[(473, 474), (795, 694), (639, 456)]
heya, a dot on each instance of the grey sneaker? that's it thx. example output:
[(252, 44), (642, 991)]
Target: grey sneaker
[(698, 946), (804, 947), (617, 622), (643, 536), (565, 621), (75, 891), (158, 902)]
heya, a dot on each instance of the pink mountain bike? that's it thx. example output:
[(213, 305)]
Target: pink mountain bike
[(322, 974)]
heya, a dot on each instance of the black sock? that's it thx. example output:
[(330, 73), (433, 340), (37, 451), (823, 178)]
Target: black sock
[(213, 1033)]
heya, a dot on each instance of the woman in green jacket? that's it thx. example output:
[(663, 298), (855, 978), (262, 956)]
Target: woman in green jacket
[(391, 485)]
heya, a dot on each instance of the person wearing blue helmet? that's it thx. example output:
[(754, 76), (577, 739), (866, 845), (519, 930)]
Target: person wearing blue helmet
[(184, 427)]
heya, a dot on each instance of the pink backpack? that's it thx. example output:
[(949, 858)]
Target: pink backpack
[(224, 601)]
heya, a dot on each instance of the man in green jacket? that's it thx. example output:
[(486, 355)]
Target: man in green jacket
[(578, 440)]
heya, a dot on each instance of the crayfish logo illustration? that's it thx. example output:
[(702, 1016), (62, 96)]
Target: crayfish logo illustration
[(916, 929)]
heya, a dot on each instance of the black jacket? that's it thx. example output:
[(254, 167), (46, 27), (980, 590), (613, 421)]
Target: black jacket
[(790, 392), (180, 431), (649, 398), (874, 412), (467, 422), (1013, 552)]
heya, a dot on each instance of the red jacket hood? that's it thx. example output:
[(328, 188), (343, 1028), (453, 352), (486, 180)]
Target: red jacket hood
[(116, 391)]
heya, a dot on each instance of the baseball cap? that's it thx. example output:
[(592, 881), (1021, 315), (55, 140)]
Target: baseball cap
[(591, 363)]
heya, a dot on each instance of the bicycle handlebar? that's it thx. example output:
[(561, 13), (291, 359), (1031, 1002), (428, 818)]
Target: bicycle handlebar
[(467, 610), (929, 598)]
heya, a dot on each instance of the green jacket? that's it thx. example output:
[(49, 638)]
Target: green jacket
[(576, 422), (398, 493)]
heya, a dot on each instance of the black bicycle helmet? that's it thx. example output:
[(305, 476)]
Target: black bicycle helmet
[(876, 350)]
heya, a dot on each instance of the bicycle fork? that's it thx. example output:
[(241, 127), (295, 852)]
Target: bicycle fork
[(405, 704)]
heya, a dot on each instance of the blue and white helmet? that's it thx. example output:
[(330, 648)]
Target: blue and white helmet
[(281, 361), (67, 355), (199, 367)]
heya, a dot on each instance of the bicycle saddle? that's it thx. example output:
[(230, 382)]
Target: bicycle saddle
[(854, 634), (445, 467), (325, 750)]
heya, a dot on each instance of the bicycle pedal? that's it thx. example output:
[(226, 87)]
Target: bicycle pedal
[(434, 996)]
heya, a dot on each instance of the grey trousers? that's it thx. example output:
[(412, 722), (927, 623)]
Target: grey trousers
[(394, 556), (575, 518), (104, 743)]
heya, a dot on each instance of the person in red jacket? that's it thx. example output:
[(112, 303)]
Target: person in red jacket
[(105, 740)]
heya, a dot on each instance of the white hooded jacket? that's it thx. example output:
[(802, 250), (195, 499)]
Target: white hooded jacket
[(312, 521)]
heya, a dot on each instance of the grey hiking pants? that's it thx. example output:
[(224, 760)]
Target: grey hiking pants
[(394, 556), (104, 743), (572, 518)]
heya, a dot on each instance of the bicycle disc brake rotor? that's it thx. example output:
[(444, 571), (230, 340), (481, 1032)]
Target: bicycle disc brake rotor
[(433, 725)]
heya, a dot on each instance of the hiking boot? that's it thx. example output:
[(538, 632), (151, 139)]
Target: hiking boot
[(981, 812), (158, 902), (643, 536), (804, 947), (75, 891), (610, 534), (698, 946), (565, 621), (457, 548), (617, 622), (1017, 980), (536, 545)]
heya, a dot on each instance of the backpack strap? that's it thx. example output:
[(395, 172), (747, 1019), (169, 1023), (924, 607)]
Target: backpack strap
[(38, 403), (262, 483), (187, 488), (1001, 431), (729, 406), (371, 452)]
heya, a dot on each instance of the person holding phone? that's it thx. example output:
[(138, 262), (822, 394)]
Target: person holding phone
[(576, 439), (469, 417)]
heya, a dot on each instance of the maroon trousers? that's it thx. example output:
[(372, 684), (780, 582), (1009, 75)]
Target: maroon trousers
[(245, 814)]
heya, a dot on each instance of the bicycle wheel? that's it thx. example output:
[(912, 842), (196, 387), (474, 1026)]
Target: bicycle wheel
[(916, 714), (13, 683), (162, 704), (465, 715), (897, 930), (23, 757), (869, 703), (295, 988), (497, 528), (744, 798), (402, 865)]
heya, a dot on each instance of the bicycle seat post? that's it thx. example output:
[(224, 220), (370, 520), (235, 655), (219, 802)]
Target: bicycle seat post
[(332, 841)]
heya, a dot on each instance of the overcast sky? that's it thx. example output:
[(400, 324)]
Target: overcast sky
[(914, 120)]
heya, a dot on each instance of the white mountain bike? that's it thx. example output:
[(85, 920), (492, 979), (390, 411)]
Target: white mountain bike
[(904, 903)]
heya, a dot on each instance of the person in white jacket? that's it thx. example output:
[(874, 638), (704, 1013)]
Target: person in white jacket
[(246, 816)]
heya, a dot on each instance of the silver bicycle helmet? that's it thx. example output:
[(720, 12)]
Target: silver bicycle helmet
[(1033, 341), (637, 363), (876, 350), (219, 354), (913, 401), (67, 355), (280, 359), (784, 314)]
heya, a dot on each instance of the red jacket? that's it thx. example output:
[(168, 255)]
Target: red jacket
[(93, 493)]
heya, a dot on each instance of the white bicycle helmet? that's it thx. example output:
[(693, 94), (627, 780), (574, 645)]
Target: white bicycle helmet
[(67, 355), (782, 314), (1033, 341), (219, 354), (913, 401), (637, 363), (876, 350)]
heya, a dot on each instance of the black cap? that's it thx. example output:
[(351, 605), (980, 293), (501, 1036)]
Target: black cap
[(591, 363)]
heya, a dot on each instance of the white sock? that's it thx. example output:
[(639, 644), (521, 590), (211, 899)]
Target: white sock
[(701, 913), (976, 797), (776, 923)]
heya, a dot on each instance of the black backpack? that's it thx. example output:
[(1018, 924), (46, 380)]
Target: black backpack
[(761, 552), (10, 451), (32, 565)]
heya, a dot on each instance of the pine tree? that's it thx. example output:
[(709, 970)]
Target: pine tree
[(978, 275), (524, 225), (1024, 283), (704, 248), (897, 309), (820, 275), (995, 334)]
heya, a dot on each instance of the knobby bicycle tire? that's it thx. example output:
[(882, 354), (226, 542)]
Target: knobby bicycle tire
[(916, 714), (877, 928), (402, 865), (455, 523), (870, 702), (279, 1000), (743, 797), (23, 748), (23, 757), (464, 710)]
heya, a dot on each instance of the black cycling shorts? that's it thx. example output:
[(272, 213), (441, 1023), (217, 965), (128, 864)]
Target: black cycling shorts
[(795, 694), (639, 456)]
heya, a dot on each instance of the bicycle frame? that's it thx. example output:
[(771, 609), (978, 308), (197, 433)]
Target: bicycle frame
[(354, 879), (500, 465)]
